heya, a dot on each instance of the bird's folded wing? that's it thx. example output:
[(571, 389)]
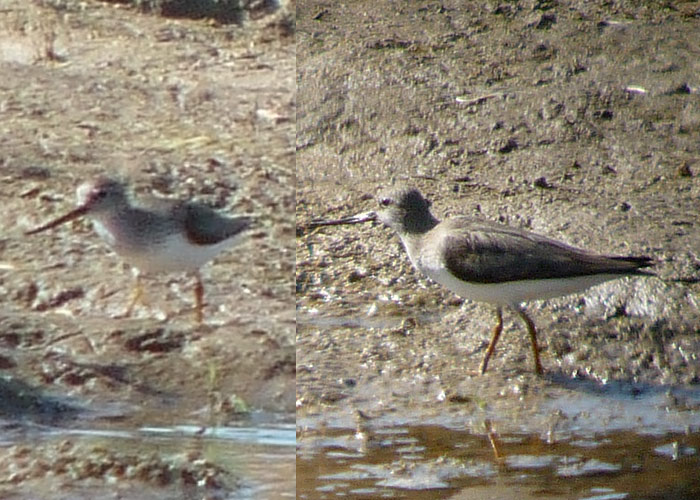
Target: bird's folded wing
[(485, 252), (205, 226)]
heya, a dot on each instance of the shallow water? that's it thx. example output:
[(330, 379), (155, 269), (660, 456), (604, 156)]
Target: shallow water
[(504, 437), (255, 460), (433, 461)]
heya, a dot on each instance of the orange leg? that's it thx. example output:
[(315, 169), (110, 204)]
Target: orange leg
[(136, 296), (494, 340), (199, 299), (533, 339)]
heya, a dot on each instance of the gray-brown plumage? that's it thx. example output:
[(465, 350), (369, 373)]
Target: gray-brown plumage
[(486, 252), (155, 235), (488, 262)]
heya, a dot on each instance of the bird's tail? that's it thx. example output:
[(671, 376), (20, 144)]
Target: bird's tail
[(636, 263)]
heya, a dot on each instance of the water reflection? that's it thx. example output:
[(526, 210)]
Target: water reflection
[(431, 461)]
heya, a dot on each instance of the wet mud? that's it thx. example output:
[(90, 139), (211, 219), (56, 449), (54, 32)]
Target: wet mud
[(577, 121), (178, 108)]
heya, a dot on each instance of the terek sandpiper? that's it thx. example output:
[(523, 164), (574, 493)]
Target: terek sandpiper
[(160, 235), (488, 262)]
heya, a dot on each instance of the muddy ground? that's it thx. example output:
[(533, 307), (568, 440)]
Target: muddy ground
[(177, 108), (577, 120)]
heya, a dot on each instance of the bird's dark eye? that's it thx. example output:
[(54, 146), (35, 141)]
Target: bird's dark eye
[(385, 202), (101, 193)]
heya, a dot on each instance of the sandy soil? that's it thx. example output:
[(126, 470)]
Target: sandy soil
[(177, 108), (578, 120)]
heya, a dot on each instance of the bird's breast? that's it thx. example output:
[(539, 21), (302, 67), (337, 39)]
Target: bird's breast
[(105, 232)]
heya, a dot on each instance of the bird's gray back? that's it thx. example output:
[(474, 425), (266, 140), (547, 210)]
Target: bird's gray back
[(486, 252)]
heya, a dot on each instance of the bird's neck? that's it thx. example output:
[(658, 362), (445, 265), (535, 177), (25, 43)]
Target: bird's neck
[(412, 236), (110, 223)]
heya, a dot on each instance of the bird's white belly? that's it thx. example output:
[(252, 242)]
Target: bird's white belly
[(513, 292), (174, 254)]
